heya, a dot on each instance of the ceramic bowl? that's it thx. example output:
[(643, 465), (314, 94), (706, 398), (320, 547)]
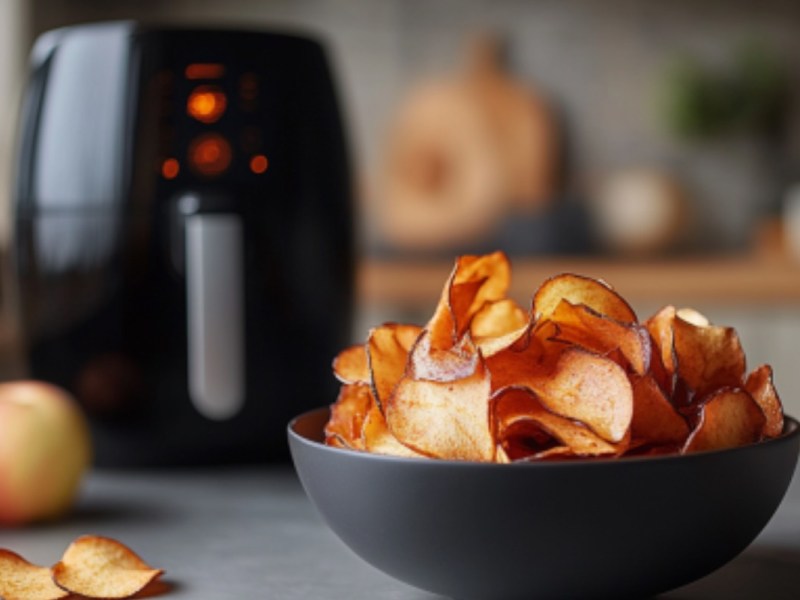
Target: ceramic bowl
[(632, 527)]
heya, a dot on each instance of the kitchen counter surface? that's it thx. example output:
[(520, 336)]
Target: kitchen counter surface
[(251, 534)]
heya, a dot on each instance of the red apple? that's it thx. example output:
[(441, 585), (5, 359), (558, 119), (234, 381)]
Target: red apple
[(44, 450)]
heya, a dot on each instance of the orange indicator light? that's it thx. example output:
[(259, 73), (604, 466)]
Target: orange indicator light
[(259, 164), (170, 168), (204, 71), (210, 155), (206, 103)]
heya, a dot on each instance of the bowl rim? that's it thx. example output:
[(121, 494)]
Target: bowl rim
[(791, 430)]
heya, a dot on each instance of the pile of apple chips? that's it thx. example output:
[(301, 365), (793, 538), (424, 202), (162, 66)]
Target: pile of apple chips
[(576, 376)]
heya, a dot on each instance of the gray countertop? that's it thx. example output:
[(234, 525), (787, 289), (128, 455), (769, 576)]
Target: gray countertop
[(251, 533)]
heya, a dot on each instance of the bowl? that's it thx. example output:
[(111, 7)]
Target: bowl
[(630, 527)]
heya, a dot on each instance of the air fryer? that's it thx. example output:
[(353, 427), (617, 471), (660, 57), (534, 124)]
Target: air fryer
[(183, 236)]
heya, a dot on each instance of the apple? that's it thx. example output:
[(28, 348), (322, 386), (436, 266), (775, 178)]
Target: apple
[(45, 449)]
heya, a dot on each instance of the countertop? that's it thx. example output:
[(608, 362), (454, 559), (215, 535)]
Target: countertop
[(251, 533)]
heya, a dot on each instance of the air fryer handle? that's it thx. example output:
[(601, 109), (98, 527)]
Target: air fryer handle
[(215, 313)]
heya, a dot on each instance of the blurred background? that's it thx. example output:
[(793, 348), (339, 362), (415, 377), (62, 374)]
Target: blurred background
[(654, 144)]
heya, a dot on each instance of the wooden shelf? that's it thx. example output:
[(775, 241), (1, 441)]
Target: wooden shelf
[(687, 281)]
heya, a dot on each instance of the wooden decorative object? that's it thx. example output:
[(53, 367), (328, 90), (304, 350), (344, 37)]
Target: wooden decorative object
[(463, 152)]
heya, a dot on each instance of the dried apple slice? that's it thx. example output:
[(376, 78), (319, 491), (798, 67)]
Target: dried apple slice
[(387, 353), (347, 416), (406, 335), (660, 328), (100, 567), (378, 439), (708, 357), (431, 364), (350, 365), (578, 289), (498, 318), (532, 354), (728, 418), (586, 387), (580, 325), (498, 325), (444, 419), (520, 417), (761, 387), (21, 580), (655, 420), (474, 281)]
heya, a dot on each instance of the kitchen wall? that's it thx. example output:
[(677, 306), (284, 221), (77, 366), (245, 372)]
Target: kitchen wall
[(602, 63)]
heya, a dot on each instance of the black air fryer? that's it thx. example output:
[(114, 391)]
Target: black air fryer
[(183, 236)]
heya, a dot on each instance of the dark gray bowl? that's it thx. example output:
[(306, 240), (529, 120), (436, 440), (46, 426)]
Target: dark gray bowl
[(581, 529)]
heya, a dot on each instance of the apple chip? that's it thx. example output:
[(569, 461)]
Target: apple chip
[(350, 365), (387, 353), (577, 289), (426, 362), (660, 328), (708, 357), (347, 416), (580, 325), (759, 384), (21, 580), (406, 335), (533, 354), (525, 428), (498, 318), (99, 567), (378, 439), (728, 418), (585, 387), (444, 419), (498, 325), (654, 417), (474, 281)]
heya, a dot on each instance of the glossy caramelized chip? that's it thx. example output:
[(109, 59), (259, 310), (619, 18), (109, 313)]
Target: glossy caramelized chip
[(708, 357), (21, 580), (577, 289), (350, 365), (759, 384), (728, 418), (99, 567), (343, 429)]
